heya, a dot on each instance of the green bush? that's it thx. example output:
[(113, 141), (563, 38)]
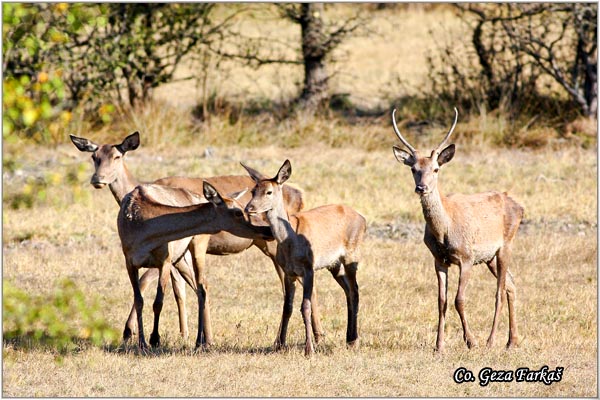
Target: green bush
[(62, 320)]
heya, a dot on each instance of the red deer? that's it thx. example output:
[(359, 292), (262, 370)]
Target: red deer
[(151, 231), (464, 230), (111, 170), (324, 237)]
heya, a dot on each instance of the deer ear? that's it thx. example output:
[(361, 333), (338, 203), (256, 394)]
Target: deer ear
[(403, 157), (211, 194), (238, 195), (83, 144), (130, 143), (254, 174), (284, 173), (446, 155)]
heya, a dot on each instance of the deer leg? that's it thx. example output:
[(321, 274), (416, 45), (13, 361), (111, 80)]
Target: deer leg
[(459, 303), (199, 245), (138, 303), (318, 330), (442, 278), (289, 289), (492, 266), (163, 281), (306, 310), (343, 280), (148, 277), (501, 270), (315, 316), (179, 291), (511, 292), (352, 336)]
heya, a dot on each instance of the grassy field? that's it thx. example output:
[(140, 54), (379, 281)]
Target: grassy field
[(70, 232), (555, 271)]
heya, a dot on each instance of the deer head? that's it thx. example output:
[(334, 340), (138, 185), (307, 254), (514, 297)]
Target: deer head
[(268, 191), (108, 158), (424, 169)]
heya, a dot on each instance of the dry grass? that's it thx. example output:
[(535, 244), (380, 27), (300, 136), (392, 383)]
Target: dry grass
[(555, 270), (72, 233)]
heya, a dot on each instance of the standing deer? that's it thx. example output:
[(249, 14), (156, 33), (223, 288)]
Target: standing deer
[(464, 230), (111, 170), (151, 231), (324, 237)]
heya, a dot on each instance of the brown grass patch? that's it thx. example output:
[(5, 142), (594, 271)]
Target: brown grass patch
[(555, 270)]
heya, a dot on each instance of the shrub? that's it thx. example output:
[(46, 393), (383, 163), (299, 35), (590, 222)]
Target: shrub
[(61, 320)]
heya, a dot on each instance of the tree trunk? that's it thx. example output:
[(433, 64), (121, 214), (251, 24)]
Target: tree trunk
[(590, 85), (316, 88)]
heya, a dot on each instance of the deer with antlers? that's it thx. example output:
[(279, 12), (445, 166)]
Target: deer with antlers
[(324, 237), (111, 170), (464, 230)]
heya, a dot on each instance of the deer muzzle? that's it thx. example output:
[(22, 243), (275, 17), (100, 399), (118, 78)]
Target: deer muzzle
[(96, 181), (421, 189)]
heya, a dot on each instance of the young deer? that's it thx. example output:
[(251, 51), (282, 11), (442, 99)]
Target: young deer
[(464, 230), (324, 237), (111, 170), (150, 232)]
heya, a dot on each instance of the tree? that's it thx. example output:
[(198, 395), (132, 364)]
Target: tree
[(563, 41), (318, 38), (518, 42), (100, 48), (318, 41), (37, 55), (143, 44)]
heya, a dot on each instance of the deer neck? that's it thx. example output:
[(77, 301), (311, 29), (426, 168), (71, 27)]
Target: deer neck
[(279, 222), (123, 184), (436, 216), (163, 224)]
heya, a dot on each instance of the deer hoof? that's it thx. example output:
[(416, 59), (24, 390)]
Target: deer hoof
[(154, 340), (279, 346), (471, 343), (319, 337), (127, 333), (143, 346), (309, 350), (353, 345)]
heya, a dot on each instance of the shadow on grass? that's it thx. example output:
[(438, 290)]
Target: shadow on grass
[(186, 349)]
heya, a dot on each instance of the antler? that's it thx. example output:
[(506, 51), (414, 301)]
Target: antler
[(408, 146), (449, 132)]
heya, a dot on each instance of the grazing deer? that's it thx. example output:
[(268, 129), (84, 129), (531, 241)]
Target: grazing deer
[(151, 231), (324, 237), (464, 230), (111, 170)]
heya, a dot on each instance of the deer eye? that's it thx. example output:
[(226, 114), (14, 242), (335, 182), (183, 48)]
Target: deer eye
[(238, 213), (117, 157), (270, 192), (436, 170)]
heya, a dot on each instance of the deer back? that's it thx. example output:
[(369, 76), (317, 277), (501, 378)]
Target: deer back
[(331, 232), (292, 196)]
